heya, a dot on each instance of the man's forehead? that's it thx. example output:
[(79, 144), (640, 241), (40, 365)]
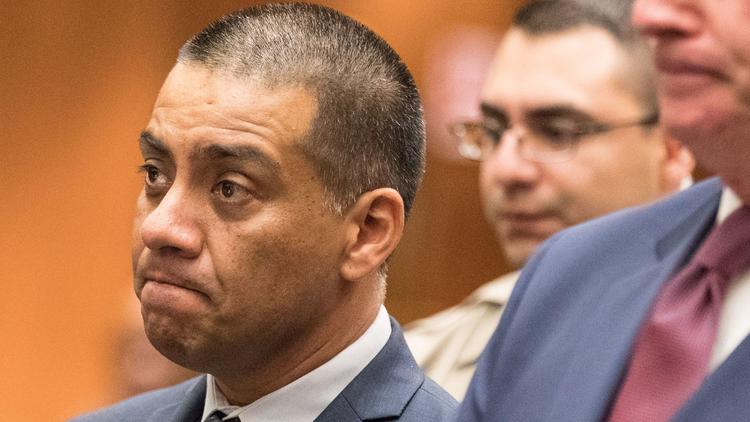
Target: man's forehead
[(190, 84), (578, 68), (211, 103), (559, 46), (152, 145)]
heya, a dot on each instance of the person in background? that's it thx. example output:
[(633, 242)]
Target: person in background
[(280, 162), (642, 315), (569, 131)]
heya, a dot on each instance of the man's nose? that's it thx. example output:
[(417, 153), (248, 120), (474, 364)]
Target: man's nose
[(664, 18), (506, 165), (172, 227)]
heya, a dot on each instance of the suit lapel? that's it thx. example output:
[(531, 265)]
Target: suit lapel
[(338, 410), (383, 389), (614, 318), (723, 396), (188, 410)]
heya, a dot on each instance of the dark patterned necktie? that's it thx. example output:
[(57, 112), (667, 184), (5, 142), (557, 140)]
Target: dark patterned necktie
[(218, 416), (670, 357)]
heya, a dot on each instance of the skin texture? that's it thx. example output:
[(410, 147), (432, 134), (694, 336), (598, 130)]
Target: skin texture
[(702, 53), (526, 201), (241, 270)]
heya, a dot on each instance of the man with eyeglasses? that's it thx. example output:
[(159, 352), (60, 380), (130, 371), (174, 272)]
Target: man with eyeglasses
[(569, 131), (643, 315)]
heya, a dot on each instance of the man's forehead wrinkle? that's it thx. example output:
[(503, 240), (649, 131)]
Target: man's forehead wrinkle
[(210, 115), (216, 151), (209, 123)]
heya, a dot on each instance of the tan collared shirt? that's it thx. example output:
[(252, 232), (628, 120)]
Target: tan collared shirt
[(447, 345)]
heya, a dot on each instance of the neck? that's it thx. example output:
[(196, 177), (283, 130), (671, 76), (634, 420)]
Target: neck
[(320, 344)]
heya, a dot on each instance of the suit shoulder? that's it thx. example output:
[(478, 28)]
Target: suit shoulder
[(430, 403), (658, 215), (140, 407), (639, 225)]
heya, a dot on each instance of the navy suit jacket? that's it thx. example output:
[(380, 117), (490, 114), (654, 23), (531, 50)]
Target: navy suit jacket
[(564, 342), (391, 387)]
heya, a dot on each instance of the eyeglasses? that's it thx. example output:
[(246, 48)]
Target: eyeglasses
[(542, 139)]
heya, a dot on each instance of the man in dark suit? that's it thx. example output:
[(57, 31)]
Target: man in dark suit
[(282, 156), (642, 315)]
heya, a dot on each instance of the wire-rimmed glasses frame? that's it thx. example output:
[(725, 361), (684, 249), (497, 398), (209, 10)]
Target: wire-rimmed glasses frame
[(539, 141)]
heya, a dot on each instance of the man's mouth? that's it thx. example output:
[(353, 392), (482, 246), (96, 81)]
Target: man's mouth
[(528, 224), (170, 284), (687, 70)]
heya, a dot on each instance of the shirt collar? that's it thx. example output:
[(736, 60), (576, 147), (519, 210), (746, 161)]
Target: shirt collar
[(729, 202), (327, 382), (496, 292)]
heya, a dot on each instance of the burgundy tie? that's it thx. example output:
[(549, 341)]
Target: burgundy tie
[(670, 357)]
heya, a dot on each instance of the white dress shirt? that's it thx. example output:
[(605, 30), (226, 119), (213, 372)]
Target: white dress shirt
[(306, 397), (734, 322)]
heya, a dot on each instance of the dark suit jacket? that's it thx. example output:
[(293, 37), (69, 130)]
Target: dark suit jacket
[(390, 387), (564, 341)]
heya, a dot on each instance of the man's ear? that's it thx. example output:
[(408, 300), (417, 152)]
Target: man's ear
[(375, 224), (677, 166)]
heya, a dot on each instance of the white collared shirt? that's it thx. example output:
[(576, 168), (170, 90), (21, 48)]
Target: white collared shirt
[(734, 322), (306, 397)]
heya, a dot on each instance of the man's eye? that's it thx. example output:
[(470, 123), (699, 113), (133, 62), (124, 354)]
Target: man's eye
[(492, 135), (493, 130), (155, 182), (227, 189), (153, 174), (231, 192), (559, 132)]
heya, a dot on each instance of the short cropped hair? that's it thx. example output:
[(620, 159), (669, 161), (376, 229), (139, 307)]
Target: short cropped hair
[(545, 17), (550, 16), (368, 131)]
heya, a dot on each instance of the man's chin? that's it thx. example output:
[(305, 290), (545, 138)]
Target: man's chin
[(518, 251), (176, 342)]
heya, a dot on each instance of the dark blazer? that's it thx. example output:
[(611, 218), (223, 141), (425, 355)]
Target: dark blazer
[(390, 387), (564, 341)]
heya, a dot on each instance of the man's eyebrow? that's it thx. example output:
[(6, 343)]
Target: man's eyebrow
[(148, 142), (489, 110), (545, 112), (240, 152), (557, 112)]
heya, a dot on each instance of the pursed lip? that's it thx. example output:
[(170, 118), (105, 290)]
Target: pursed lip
[(173, 280)]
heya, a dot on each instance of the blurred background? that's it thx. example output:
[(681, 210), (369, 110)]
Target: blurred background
[(77, 84)]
